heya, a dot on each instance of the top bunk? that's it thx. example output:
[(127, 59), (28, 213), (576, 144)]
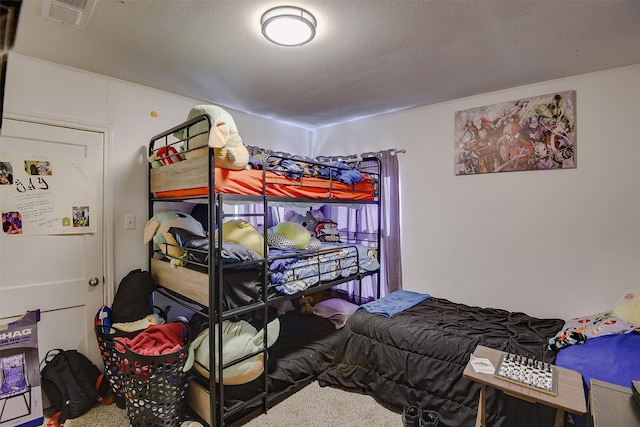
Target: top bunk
[(200, 157)]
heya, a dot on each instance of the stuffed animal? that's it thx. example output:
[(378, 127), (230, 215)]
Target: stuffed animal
[(308, 221), (306, 306), (327, 231), (230, 152), (219, 115), (289, 234), (242, 232), (157, 229), (165, 156), (239, 339)]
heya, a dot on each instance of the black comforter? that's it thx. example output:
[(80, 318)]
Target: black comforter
[(417, 358), (306, 345)]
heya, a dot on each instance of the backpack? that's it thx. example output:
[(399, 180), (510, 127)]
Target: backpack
[(134, 297), (72, 383)]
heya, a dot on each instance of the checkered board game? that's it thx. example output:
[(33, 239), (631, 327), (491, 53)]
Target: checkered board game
[(528, 372)]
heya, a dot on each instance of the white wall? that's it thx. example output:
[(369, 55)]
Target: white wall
[(57, 94), (550, 243), (560, 243)]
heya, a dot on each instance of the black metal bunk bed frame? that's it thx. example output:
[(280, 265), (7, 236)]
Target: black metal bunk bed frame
[(243, 412)]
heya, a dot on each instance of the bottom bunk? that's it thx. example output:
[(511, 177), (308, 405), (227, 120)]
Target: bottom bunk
[(305, 347), (416, 357)]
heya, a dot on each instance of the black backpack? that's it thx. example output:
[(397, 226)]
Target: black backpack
[(134, 297), (72, 383)]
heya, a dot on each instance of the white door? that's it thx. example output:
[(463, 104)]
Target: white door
[(62, 275)]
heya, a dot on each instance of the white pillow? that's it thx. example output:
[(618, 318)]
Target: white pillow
[(335, 309)]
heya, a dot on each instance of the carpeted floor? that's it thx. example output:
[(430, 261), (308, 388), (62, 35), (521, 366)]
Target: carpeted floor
[(311, 406)]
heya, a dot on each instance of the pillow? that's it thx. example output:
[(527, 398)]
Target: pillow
[(284, 307), (579, 329), (231, 252), (189, 240), (315, 244), (243, 233), (276, 241), (234, 252), (289, 235), (627, 307), (335, 309)]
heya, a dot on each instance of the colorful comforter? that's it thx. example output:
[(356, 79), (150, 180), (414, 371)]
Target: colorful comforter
[(296, 167), (294, 271)]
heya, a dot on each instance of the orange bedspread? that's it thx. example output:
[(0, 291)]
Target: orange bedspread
[(250, 182)]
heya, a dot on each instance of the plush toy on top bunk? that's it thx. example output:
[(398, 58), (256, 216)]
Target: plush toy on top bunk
[(224, 138)]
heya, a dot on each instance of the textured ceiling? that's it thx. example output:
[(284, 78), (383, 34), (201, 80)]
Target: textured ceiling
[(369, 56)]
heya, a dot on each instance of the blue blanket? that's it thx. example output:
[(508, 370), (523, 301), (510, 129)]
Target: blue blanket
[(610, 358), (295, 167), (394, 303)]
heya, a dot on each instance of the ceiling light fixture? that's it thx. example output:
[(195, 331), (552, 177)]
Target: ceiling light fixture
[(288, 26)]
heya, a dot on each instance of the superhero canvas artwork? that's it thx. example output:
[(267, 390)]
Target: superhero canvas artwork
[(526, 134)]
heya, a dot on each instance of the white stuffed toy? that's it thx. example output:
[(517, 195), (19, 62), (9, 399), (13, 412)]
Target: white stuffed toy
[(230, 151)]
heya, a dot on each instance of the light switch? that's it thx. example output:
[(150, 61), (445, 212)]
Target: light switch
[(129, 222)]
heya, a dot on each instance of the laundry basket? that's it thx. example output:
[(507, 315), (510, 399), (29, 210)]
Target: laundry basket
[(105, 336), (154, 386), (106, 332)]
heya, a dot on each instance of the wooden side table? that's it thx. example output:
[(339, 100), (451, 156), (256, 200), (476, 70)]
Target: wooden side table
[(570, 397), (612, 405)]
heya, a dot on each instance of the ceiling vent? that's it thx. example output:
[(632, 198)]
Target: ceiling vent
[(73, 12)]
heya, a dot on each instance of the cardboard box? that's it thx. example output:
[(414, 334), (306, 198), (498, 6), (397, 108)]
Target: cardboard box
[(20, 391)]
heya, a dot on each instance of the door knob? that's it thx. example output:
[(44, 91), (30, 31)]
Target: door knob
[(94, 281)]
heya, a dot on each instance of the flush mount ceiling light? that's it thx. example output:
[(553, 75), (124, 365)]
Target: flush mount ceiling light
[(288, 26)]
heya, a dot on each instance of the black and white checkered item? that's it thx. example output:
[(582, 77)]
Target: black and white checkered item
[(528, 372)]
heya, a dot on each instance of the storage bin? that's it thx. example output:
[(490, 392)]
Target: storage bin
[(111, 358), (154, 386)]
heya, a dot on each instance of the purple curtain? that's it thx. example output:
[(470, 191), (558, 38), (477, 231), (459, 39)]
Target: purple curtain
[(390, 257), (390, 206)]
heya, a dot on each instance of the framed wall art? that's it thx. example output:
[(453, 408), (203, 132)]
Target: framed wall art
[(536, 133)]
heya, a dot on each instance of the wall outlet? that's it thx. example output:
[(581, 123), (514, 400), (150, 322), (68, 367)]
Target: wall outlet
[(129, 222)]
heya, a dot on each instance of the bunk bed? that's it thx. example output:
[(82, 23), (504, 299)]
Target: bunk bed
[(416, 358), (226, 290)]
